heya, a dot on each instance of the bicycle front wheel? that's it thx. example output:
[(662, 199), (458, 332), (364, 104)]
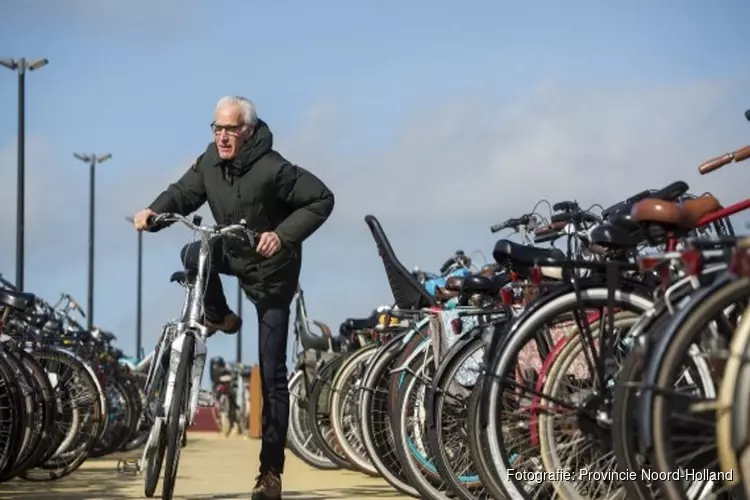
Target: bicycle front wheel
[(176, 411)]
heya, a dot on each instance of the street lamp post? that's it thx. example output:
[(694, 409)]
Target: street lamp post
[(239, 313), (139, 295), (92, 161), (20, 66)]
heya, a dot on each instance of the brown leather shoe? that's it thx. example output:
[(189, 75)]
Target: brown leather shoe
[(267, 487), (230, 324)]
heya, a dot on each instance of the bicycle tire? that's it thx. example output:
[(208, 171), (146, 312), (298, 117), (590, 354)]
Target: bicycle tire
[(155, 463), (677, 349), (527, 328), (460, 353), (377, 436), (740, 422), (9, 415), (730, 391), (47, 408), (320, 397), (340, 392), (26, 416), (625, 408), (177, 410), (564, 359), (304, 446), (58, 463), (417, 472)]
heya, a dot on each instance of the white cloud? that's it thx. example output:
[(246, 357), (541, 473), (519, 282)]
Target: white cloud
[(455, 170), (467, 158)]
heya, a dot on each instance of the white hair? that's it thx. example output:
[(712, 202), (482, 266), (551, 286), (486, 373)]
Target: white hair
[(245, 105)]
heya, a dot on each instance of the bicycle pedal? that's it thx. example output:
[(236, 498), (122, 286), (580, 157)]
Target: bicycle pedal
[(129, 465)]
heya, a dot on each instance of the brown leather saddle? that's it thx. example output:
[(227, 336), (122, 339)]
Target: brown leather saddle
[(677, 215)]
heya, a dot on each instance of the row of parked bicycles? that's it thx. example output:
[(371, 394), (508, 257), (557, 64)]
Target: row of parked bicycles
[(66, 393), (605, 355)]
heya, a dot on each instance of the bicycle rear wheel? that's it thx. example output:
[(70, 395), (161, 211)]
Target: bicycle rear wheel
[(45, 415), (734, 376)]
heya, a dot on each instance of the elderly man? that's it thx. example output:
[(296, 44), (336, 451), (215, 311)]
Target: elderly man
[(243, 177)]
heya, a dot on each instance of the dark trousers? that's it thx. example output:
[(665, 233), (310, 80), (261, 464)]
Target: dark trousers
[(273, 329)]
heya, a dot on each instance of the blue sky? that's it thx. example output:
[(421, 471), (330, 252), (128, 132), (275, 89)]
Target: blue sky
[(440, 118)]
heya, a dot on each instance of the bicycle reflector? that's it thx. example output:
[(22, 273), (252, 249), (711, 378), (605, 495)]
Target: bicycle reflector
[(740, 263), (506, 295), (457, 325), (536, 275), (693, 262), (658, 265), (648, 264)]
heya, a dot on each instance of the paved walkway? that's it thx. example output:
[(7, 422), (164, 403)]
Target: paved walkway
[(211, 468)]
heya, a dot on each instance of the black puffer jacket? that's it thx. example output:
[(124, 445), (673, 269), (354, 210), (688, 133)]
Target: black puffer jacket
[(270, 193)]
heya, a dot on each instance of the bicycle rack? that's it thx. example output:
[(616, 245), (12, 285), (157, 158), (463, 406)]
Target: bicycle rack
[(129, 466)]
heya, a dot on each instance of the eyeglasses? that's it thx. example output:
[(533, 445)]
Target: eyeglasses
[(229, 129)]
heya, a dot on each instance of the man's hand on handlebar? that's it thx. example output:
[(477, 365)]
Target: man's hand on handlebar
[(269, 244), (141, 219)]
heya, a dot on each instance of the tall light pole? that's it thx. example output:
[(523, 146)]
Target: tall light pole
[(92, 161), (239, 313), (20, 66), (139, 295)]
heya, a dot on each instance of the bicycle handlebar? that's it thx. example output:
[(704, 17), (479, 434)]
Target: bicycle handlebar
[(511, 223), (154, 221), (725, 159), (458, 258), (72, 303)]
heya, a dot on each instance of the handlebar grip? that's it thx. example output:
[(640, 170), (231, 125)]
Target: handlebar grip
[(511, 223), (565, 206), (448, 263), (564, 217), (742, 154), (552, 228), (578, 216), (154, 223), (714, 163), (739, 155), (552, 236)]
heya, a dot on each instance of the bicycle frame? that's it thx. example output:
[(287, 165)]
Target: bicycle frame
[(165, 363), (190, 325)]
